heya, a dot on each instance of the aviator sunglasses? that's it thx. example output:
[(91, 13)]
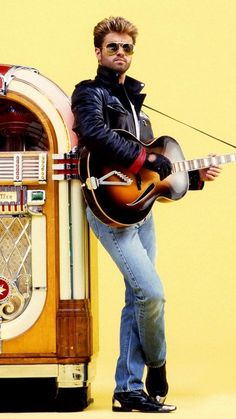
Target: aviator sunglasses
[(113, 47)]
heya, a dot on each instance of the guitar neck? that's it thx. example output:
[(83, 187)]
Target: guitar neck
[(202, 163)]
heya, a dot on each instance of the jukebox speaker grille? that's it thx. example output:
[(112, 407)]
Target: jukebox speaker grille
[(23, 167)]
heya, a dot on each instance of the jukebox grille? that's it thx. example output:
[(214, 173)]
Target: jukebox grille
[(25, 167), (15, 266)]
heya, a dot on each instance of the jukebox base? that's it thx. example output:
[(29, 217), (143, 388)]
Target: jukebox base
[(41, 395)]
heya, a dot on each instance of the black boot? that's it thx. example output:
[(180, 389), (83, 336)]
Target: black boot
[(139, 401), (156, 383)]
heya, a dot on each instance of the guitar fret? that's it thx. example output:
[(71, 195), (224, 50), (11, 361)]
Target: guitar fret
[(228, 158), (202, 163), (207, 161), (175, 167), (233, 158), (188, 165), (196, 164), (183, 166), (222, 159)]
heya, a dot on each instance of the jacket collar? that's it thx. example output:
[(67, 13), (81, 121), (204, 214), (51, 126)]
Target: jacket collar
[(110, 77)]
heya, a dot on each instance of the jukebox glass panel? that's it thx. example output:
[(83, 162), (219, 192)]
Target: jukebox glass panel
[(15, 265), (20, 129)]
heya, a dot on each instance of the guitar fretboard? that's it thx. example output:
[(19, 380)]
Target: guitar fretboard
[(202, 163)]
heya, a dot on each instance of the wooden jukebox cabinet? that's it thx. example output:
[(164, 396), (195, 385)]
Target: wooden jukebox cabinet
[(47, 297)]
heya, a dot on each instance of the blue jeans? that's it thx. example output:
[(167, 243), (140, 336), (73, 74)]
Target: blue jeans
[(142, 334)]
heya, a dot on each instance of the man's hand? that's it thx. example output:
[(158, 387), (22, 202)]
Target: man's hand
[(158, 163), (210, 173)]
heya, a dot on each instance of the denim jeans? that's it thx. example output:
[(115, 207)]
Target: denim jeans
[(142, 334)]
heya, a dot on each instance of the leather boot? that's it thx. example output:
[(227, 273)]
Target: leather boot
[(156, 383), (139, 401)]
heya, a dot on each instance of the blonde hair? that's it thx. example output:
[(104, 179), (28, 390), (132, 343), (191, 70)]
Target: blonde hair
[(113, 24)]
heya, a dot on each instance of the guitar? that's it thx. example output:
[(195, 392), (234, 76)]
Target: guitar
[(120, 198)]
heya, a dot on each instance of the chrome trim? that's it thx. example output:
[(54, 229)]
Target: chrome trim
[(67, 375), (72, 375), (6, 78)]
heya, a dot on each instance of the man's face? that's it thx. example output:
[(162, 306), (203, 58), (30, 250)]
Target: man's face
[(120, 61)]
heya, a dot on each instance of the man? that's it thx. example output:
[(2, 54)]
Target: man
[(112, 101)]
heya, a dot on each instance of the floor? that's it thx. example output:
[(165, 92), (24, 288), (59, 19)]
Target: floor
[(210, 407)]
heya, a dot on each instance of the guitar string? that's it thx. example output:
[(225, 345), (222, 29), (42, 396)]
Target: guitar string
[(190, 126)]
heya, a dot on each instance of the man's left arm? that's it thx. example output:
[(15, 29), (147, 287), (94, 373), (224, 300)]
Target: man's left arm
[(198, 177)]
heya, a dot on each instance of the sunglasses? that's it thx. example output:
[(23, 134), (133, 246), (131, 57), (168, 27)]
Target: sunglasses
[(114, 47)]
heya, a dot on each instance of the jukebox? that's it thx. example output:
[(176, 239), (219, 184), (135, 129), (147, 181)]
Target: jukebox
[(47, 298)]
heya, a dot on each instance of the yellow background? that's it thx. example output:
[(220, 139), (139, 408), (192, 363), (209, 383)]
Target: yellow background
[(186, 56)]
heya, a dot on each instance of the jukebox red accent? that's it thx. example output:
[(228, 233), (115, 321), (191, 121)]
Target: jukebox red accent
[(14, 118), (13, 199), (66, 166), (7, 74), (4, 69), (5, 289)]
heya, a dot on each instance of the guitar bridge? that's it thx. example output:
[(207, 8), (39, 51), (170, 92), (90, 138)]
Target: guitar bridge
[(94, 182)]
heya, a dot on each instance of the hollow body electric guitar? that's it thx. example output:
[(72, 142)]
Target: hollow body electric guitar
[(120, 198)]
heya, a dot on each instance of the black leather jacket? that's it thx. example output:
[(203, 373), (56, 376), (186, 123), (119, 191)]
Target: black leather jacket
[(102, 105)]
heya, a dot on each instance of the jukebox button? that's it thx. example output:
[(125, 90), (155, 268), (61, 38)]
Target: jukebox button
[(36, 197)]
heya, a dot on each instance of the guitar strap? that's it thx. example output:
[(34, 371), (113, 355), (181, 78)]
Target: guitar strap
[(190, 126)]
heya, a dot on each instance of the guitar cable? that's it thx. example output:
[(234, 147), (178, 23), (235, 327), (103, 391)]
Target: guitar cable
[(190, 126)]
